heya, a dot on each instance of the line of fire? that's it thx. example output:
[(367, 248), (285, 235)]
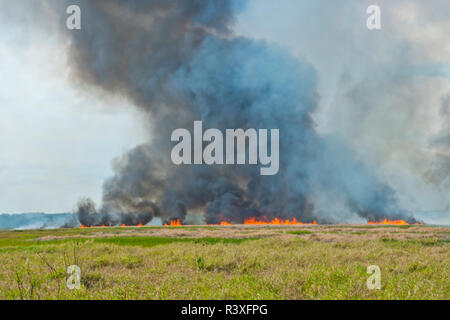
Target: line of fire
[(258, 221)]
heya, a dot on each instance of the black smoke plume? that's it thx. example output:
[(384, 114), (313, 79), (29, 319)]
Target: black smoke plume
[(179, 61)]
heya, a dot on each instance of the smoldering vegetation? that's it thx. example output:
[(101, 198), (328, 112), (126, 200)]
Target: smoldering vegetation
[(89, 216)]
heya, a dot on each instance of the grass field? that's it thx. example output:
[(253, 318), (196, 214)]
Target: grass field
[(233, 262)]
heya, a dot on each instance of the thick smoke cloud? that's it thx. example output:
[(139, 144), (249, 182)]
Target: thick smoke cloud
[(179, 61), (382, 92)]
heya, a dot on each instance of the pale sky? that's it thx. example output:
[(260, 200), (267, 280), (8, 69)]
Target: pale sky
[(57, 143)]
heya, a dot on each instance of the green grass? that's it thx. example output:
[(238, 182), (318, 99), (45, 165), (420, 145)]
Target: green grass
[(300, 232), (147, 242), (11, 245)]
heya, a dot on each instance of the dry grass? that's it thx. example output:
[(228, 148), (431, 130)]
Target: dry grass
[(239, 262)]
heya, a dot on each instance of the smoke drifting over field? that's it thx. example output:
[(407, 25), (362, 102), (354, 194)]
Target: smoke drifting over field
[(179, 61)]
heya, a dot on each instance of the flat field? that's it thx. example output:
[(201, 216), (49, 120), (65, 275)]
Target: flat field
[(227, 262)]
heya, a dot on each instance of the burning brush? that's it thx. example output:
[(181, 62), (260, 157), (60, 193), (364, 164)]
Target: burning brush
[(204, 72)]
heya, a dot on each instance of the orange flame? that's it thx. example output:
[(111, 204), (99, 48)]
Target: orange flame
[(277, 221), (174, 223), (225, 223), (86, 227), (390, 222)]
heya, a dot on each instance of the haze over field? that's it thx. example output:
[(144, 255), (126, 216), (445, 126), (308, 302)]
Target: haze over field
[(364, 116)]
